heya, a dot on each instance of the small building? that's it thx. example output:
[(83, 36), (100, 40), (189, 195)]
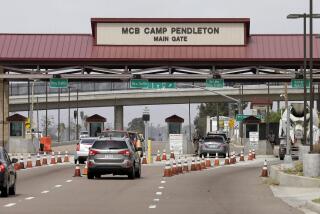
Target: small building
[(251, 124), (174, 124), (17, 125), (96, 124), (259, 106)]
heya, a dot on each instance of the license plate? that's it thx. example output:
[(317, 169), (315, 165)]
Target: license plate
[(108, 156), (212, 146)]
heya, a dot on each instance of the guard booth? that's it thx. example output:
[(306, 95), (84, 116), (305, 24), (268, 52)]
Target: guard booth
[(17, 125), (96, 125), (251, 124), (174, 124)]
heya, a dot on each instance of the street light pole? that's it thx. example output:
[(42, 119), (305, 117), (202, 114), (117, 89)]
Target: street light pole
[(311, 76), (305, 77)]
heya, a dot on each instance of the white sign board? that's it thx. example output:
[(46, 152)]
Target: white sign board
[(254, 139), (176, 143), (170, 34)]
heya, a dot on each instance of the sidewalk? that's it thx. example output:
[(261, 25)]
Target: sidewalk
[(297, 197)]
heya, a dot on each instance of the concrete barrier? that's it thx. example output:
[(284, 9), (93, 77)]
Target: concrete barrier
[(285, 179)]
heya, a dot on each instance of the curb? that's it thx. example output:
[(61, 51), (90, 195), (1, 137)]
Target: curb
[(313, 206), (285, 179)]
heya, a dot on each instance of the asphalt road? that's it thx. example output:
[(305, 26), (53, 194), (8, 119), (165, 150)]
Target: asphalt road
[(221, 190)]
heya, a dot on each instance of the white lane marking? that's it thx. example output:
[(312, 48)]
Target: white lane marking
[(152, 206), (29, 198), (156, 199), (10, 205), (158, 193), (57, 186), (160, 187), (68, 181), (163, 182), (45, 192)]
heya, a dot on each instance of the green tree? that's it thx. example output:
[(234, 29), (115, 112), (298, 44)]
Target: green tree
[(50, 123), (137, 124), (208, 109), (273, 117)]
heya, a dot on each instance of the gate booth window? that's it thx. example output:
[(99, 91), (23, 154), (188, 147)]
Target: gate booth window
[(17, 123), (251, 124)]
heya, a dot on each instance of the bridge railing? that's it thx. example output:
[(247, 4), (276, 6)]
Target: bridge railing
[(21, 88)]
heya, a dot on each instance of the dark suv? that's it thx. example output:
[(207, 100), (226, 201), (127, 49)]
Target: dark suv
[(116, 156), (8, 174)]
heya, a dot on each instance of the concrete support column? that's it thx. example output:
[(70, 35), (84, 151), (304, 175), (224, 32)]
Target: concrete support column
[(118, 117), (4, 111)]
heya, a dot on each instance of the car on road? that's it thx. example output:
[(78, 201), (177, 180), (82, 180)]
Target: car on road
[(84, 134), (213, 144), (116, 156), (82, 149), (8, 175)]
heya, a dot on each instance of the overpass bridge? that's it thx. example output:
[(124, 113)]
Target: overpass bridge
[(149, 97)]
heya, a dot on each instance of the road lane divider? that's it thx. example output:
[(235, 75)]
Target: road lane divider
[(68, 181), (45, 192), (58, 186), (10, 205), (156, 200), (158, 193), (29, 198), (152, 206)]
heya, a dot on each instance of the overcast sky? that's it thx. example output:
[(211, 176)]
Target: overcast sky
[(73, 16)]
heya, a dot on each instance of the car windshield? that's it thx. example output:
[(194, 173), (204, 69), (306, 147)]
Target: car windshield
[(83, 133), (109, 144), (214, 139), (87, 141)]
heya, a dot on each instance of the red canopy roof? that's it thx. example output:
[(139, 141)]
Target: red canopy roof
[(81, 48)]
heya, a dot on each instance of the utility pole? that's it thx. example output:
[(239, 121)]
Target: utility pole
[(287, 158)]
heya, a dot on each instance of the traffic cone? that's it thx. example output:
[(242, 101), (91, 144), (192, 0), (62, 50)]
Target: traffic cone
[(253, 154), (264, 172), (44, 159), (193, 165), (144, 159), (29, 162), (66, 157), (226, 160), (208, 162), (59, 159), (172, 155), (77, 171), (234, 158), (17, 165), (198, 164), (21, 162), (216, 160), (167, 170), (174, 168), (179, 168), (164, 155), (158, 156), (53, 159), (38, 161), (203, 163), (85, 169), (185, 165), (241, 156), (231, 158), (250, 155)]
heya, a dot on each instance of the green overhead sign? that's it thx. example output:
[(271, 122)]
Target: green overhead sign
[(59, 83), (241, 117), (145, 84), (214, 83), (299, 83)]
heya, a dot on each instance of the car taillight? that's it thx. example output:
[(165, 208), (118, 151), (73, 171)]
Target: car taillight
[(93, 152), (125, 152), (78, 147), (2, 168)]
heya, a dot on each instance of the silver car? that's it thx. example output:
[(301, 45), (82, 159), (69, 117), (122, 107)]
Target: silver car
[(212, 145), (116, 156), (82, 149)]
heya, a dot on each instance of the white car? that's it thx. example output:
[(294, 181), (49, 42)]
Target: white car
[(82, 149), (83, 134)]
